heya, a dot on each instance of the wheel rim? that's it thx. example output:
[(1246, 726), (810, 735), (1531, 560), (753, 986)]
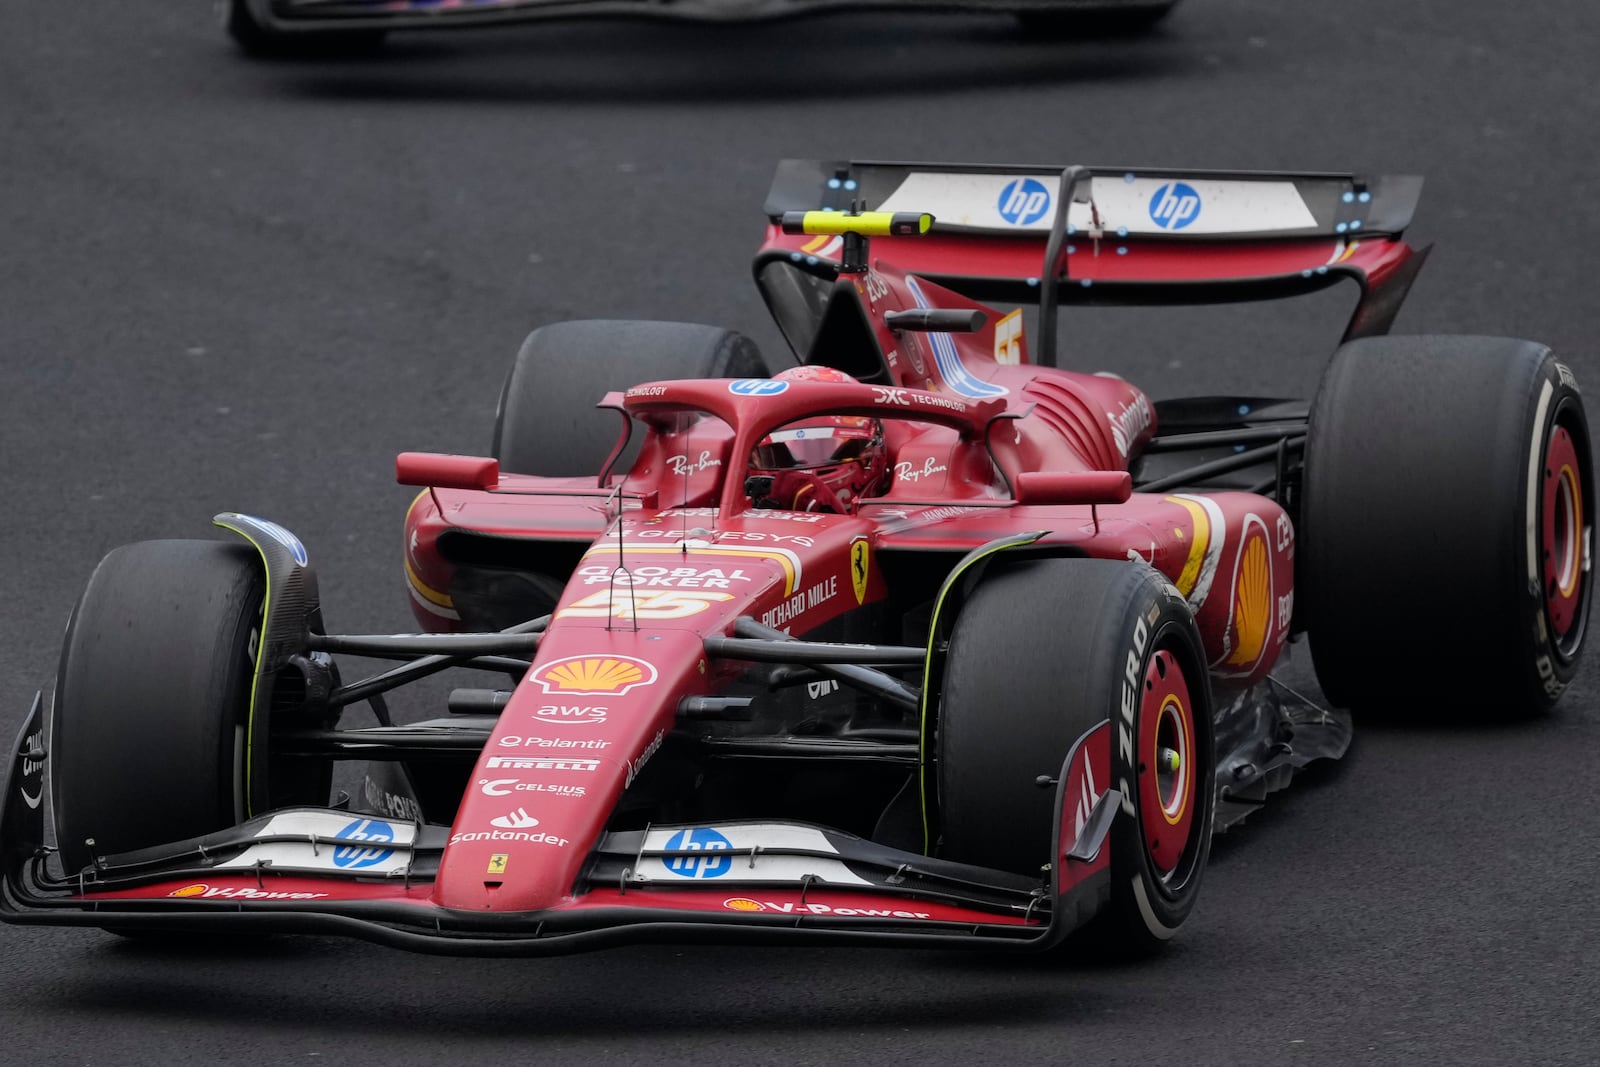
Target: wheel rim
[(1166, 763), (1562, 533)]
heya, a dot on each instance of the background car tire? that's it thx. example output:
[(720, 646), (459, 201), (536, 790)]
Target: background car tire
[(1414, 538), (254, 39), (1122, 20), (1037, 657), (152, 697), (547, 423)]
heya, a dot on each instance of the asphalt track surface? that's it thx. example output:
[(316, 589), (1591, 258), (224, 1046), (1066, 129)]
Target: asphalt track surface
[(235, 285)]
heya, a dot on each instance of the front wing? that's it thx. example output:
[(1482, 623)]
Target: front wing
[(303, 871), (287, 16)]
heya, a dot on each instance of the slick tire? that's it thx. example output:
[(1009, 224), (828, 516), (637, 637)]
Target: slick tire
[(148, 722), (1445, 527), (262, 42), (1119, 20), (546, 422), (1038, 656)]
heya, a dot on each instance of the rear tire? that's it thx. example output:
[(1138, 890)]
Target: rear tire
[(1038, 657), (152, 698), (547, 423), (1419, 514)]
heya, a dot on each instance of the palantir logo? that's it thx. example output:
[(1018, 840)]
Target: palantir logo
[(1024, 201), (363, 830), (701, 840), (1174, 206)]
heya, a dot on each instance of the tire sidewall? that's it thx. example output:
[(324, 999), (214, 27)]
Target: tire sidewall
[(1159, 904), (1551, 667)]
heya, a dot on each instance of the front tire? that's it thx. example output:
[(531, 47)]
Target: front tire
[(1041, 653), (153, 696), (1446, 523)]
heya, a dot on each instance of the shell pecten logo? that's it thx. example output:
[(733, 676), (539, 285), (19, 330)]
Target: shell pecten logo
[(1252, 596), (594, 675), (190, 890), (743, 904)]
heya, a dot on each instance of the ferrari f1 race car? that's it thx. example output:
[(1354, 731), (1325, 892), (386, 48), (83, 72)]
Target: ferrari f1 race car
[(922, 640), (284, 27)]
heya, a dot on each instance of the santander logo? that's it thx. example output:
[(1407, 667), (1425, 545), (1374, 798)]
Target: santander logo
[(517, 820)]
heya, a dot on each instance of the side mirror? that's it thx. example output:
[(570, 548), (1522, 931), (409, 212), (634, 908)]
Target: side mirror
[(1076, 487), (440, 471)]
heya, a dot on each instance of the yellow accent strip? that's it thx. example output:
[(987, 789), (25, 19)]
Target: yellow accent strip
[(429, 594), (867, 224), (789, 573), (1197, 545), (261, 650), (817, 243)]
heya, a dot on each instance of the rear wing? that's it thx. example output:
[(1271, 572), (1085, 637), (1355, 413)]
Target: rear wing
[(1128, 235)]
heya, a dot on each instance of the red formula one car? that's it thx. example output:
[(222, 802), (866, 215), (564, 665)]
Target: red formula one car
[(922, 641)]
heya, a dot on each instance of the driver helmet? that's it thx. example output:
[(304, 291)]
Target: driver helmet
[(822, 463)]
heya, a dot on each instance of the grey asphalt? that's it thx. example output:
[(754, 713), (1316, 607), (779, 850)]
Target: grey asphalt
[(228, 285)]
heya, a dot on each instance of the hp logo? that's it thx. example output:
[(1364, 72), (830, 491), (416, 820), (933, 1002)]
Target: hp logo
[(1174, 206), (1024, 201), (363, 830), (713, 861), (756, 387)]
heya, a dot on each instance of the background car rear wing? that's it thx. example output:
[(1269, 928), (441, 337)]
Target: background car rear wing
[(1128, 236)]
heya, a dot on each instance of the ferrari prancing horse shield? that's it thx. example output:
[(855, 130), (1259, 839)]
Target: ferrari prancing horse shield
[(858, 568)]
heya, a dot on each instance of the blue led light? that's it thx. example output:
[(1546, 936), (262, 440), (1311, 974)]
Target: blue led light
[(1086, 282), (1306, 273), (1128, 177), (1122, 231), (1238, 448), (1348, 197), (1355, 224), (796, 256), (833, 183), (811, 261), (1071, 249), (1322, 269), (1071, 229), (1339, 228), (1122, 250), (1033, 281), (849, 183), (1364, 197), (1244, 409)]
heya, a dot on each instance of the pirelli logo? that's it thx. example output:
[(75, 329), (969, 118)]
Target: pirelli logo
[(541, 763)]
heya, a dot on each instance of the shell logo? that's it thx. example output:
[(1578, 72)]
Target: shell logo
[(594, 675), (743, 904), (1252, 596), (190, 890)]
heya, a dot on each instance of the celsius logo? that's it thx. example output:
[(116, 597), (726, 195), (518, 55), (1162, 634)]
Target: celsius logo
[(756, 387), (1024, 201), (1174, 206), (363, 830), (697, 842)]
